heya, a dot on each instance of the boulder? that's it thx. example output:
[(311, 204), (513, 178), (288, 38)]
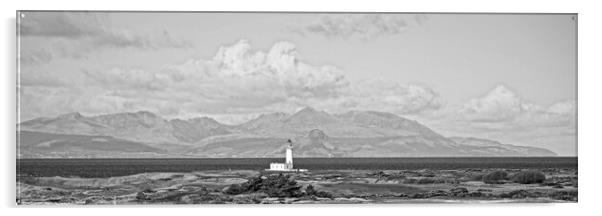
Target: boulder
[(529, 177), (459, 191)]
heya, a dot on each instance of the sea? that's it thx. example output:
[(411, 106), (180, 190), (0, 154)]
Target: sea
[(97, 168)]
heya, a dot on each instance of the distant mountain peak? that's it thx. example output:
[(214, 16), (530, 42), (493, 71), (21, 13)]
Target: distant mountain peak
[(377, 114), (307, 109), (309, 115), (275, 114), (310, 111), (271, 116), (72, 116), (146, 113), (204, 119)]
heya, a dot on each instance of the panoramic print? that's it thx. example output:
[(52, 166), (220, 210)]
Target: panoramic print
[(146, 108)]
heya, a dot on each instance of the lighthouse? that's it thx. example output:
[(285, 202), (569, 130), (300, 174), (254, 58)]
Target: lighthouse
[(289, 154), (287, 166)]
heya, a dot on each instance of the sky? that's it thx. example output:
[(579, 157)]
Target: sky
[(507, 77)]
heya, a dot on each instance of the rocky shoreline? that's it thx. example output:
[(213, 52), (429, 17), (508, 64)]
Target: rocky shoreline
[(321, 187)]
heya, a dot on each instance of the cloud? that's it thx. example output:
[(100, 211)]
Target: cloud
[(363, 26), (61, 24), (74, 34), (401, 99), (120, 78), (40, 79), (500, 104), (236, 77), (503, 115), (50, 101), (561, 114), (35, 57), (237, 81), (503, 106), (243, 74)]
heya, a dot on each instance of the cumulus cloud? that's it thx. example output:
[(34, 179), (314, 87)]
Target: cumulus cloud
[(402, 99), (277, 81), (501, 106), (237, 81), (73, 34), (362, 25), (503, 115), (560, 114), (237, 78)]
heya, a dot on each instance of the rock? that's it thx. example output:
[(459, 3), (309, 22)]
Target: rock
[(475, 194), (418, 196), (401, 195), (187, 199), (519, 194), (144, 195), (253, 198), (495, 177), (564, 195), (459, 191), (273, 185), (529, 177), (434, 193), (437, 193)]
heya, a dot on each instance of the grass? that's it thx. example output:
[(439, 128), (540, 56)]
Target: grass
[(359, 188), (430, 180)]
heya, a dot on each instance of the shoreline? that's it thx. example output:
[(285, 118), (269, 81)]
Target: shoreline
[(328, 186)]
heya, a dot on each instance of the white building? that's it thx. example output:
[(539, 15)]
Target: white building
[(287, 166)]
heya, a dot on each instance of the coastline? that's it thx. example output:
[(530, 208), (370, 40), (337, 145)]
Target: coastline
[(328, 186)]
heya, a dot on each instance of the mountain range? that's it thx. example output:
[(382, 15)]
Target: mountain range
[(314, 134)]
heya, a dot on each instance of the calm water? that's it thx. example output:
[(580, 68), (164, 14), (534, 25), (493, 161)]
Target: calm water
[(120, 167)]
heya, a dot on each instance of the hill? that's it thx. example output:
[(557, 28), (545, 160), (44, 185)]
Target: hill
[(315, 134)]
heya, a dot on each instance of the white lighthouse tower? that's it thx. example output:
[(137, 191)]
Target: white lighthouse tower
[(289, 154), (287, 166)]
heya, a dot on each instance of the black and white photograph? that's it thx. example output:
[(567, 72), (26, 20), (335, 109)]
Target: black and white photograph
[(249, 107)]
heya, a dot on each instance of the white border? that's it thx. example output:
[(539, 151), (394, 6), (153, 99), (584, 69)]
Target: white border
[(589, 102)]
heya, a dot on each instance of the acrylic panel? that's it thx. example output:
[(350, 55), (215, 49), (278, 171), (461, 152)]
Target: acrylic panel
[(138, 108)]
